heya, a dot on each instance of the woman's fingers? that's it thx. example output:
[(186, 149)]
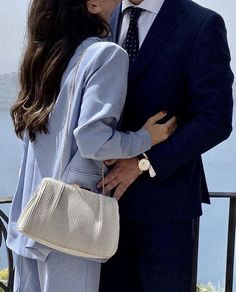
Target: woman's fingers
[(157, 117), (171, 122), (160, 132), (171, 125)]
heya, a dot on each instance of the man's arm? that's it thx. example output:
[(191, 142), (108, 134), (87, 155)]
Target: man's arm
[(210, 110)]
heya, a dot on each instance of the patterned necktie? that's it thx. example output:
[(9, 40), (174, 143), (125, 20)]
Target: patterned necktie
[(131, 42)]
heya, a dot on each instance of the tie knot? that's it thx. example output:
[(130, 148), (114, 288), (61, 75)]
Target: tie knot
[(134, 12)]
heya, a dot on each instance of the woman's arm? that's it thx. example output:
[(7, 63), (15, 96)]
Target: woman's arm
[(102, 105)]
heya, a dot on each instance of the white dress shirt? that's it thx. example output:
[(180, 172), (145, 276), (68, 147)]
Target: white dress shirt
[(151, 9)]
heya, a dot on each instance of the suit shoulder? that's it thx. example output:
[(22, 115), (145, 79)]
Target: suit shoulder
[(197, 13)]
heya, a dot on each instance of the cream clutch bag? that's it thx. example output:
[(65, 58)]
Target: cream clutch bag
[(69, 218), (73, 220)]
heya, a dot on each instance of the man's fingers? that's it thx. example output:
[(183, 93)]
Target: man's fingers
[(123, 174), (109, 187), (108, 178), (110, 162), (119, 191)]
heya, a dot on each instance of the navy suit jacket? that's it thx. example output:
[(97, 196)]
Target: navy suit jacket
[(183, 67)]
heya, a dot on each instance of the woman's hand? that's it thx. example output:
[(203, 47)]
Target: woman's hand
[(160, 132)]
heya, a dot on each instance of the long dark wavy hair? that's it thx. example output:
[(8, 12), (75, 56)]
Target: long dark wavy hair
[(55, 29)]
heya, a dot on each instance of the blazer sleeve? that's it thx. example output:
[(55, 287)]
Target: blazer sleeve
[(103, 99), (210, 109)]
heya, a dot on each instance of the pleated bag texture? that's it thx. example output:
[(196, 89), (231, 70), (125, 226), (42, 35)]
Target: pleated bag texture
[(69, 218), (73, 220)]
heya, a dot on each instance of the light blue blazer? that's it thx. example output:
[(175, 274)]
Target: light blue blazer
[(91, 135)]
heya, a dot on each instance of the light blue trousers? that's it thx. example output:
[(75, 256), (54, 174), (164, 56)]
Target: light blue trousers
[(59, 273)]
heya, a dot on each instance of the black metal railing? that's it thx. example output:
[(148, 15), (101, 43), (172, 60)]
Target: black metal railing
[(229, 271), (8, 286)]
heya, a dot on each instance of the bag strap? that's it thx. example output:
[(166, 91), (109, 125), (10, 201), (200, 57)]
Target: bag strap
[(68, 115)]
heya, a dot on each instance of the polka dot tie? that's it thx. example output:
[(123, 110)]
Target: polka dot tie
[(131, 42)]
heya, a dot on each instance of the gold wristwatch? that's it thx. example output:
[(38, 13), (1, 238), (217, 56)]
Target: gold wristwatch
[(143, 162)]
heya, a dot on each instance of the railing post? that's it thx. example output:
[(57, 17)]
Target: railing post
[(231, 246), (8, 287), (196, 224)]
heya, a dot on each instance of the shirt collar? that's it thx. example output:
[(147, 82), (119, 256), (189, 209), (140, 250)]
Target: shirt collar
[(153, 6)]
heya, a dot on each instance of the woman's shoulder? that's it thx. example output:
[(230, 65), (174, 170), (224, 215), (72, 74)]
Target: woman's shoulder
[(101, 50), (95, 53), (101, 44)]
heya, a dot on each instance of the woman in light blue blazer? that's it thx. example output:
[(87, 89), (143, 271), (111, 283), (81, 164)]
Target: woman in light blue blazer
[(62, 34)]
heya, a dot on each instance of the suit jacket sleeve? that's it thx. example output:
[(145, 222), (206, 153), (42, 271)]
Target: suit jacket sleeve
[(102, 105), (209, 80)]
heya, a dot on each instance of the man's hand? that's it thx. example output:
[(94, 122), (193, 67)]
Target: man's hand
[(122, 175)]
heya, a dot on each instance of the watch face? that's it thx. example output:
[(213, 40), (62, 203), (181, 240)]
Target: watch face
[(144, 164)]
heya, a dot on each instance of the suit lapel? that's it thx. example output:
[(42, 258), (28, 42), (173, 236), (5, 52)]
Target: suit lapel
[(164, 24)]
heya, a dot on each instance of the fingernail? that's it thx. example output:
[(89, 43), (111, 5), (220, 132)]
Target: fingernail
[(164, 112)]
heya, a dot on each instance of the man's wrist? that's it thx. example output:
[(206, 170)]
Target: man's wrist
[(145, 165)]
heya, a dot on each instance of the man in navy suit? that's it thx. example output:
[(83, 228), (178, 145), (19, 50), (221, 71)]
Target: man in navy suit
[(183, 67)]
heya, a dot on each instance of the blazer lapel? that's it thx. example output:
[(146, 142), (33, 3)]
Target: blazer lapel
[(164, 24)]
